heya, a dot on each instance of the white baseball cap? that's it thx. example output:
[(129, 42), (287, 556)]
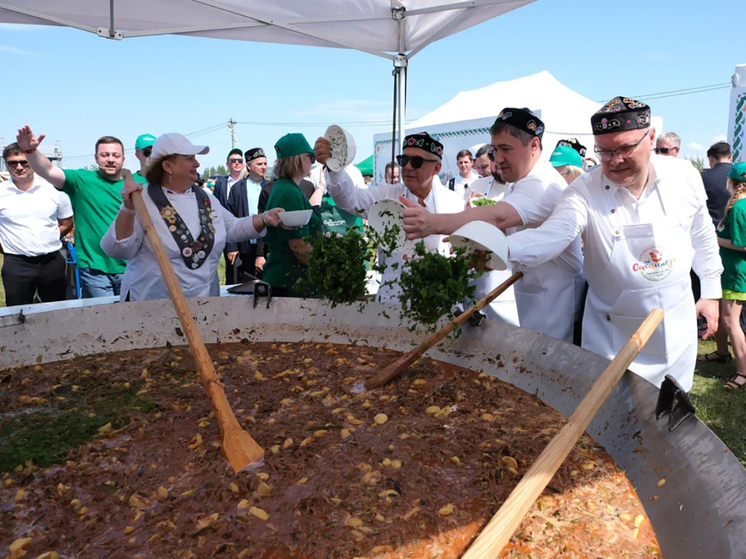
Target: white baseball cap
[(176, 144)]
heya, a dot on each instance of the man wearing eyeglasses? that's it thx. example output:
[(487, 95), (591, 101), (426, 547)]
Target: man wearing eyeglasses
[(224, 184), (645, 224), (34, 216), (143, 149), (419, 164), (548, 296), (668, 144)]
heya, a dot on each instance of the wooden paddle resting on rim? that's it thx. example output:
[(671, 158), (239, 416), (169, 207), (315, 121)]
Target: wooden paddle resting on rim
[(498, 532), (405, 361), (237, 446)]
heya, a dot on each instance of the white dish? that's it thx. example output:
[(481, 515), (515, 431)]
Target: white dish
[(342, 150), (297, 218), (480, 235), (386, 213)]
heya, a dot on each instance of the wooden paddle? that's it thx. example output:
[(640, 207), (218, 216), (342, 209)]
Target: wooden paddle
[(405, 361), (237, 446), (498, 532)]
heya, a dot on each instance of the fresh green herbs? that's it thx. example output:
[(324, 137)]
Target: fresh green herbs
[(482, 201), (336, 267), (432, 284)]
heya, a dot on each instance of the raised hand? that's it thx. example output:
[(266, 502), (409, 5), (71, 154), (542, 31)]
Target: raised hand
[(26, 139), (322, 150), (130, 186), (418, 222)]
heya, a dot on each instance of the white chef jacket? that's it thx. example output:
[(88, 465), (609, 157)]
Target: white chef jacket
[(548, 295), (143, 279), (29, 219), (587, 208), (351, 199)]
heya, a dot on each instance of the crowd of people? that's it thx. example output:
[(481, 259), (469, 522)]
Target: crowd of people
[(599, 244)]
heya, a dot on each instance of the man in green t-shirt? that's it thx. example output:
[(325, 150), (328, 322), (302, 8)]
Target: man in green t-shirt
[(143, 149), (96, 199)]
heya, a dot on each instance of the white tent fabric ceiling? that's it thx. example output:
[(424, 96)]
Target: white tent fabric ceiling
[(379, 27)]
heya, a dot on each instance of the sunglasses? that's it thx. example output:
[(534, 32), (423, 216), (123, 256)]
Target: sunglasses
[(14, 164), (664, 151), (235, 160), (416, 161), (147, 151)]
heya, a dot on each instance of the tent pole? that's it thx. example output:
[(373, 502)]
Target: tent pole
[(400, 63), (394, 73)]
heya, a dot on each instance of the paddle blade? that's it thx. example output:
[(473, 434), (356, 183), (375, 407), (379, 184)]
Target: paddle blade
[(239, 448)]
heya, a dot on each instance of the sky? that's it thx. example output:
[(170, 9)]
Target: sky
[(75, 87)]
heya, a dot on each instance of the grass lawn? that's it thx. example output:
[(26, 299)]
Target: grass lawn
[(722, 410)]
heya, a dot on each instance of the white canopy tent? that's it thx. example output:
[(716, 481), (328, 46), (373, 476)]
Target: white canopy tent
[(393, 29)]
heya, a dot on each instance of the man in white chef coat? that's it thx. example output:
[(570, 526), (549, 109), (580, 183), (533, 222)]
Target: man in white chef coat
[(419, 165), (548, 295)]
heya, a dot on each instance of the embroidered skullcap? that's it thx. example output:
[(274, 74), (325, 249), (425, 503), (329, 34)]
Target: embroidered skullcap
[(522, 119), (738, 171), (254, 153), (620, 114), (425, 141), (574, 144)]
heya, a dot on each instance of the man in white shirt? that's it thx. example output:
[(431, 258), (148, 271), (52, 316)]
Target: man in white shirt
[(548, 296), (33, 218), (460, 183), (645, 224), (419, 165)]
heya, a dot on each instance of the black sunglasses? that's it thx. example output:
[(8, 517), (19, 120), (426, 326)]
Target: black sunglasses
[(22, 162), (235, 160), (664, 150), (312, 157), (147, 151), (416, 161)]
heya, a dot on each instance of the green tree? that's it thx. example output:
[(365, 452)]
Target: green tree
[(221, 170), (698, 162)]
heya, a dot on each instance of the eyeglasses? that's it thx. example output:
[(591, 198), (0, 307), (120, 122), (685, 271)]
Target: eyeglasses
[(312, 157), (14, 164), (235, 160), (416, 161), (147, 151), (664, 151), (623, 152)]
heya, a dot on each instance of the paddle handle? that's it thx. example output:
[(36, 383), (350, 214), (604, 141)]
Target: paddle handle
[(223, 412), (498, 532), (395, 368)]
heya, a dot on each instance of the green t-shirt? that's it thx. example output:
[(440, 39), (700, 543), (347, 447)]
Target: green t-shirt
[(734, 262), (139, 178), (96, 202), (336, 220), (283, 268)]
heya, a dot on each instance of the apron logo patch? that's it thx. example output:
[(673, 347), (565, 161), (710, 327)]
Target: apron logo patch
[(653, 264)]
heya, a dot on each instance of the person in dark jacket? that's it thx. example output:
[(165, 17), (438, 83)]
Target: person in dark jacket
[(716, 180), (243, 201)]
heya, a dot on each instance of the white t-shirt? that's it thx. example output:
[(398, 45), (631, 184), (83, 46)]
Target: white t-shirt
[(461, 184), (29, 220)]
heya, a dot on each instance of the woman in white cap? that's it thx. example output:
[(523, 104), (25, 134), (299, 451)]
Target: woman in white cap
[(192, 224)]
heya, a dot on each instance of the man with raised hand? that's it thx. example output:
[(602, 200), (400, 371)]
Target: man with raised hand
[(96, 199), (548, 296), (419, 163), (33, 218)]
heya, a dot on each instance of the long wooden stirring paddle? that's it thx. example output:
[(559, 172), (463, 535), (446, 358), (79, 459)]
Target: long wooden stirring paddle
[(237, 446), (498, 532), (395, 368)]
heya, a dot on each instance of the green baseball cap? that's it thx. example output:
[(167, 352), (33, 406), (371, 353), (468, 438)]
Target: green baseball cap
[(144, 141), (738, 171), (565, 155), (292, 144)]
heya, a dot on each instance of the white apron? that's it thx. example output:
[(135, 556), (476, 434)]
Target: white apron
[(649, 268)]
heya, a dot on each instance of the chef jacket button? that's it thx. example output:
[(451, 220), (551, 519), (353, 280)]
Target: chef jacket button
[(613, 210), (616, 232), (608, 317), (607, 187)]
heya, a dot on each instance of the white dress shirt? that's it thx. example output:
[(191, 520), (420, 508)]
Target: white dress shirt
[(29, 223), (143, 280)]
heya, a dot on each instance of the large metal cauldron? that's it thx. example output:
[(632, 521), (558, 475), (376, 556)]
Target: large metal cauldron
[(699, 512)]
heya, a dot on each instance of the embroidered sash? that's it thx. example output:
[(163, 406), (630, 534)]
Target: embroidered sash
[(194, 252)]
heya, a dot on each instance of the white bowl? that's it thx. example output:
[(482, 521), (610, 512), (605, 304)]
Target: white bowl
[(297, 218), (385, 213), (480, 235), (343, 148)]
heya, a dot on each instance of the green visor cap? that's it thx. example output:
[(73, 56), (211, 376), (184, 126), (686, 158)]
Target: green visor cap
[(292, 144), (565, 155), (144, 141), (738, 171)]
